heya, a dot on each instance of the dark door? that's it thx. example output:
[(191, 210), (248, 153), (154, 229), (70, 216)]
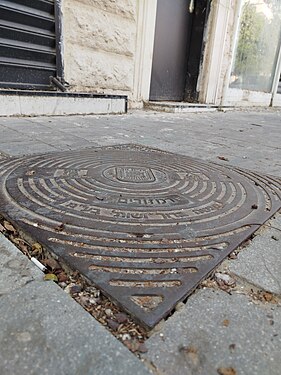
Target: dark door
[(27, 43), (177, 49), (170, 55)]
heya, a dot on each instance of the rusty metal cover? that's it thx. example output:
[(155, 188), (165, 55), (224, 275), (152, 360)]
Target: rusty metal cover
[(144, 225)]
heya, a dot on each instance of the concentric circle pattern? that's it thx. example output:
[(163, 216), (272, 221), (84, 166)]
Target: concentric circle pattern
[(144, 225)]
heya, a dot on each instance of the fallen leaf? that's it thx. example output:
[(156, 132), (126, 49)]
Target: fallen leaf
[(223, 158), (254, 206), (51, 277), (24, 248), (112, 324), (135, 346), (62, 277), (37, 248), (226, 371), (52, 264), (108, 312), (121, 317), (9, 227), (22, 245), (191, 354), (188, 349), (16, 240), (225, 323), (224, 279), (268, 296), (75, 289)]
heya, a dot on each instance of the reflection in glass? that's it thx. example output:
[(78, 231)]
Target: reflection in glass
[(258, 45)]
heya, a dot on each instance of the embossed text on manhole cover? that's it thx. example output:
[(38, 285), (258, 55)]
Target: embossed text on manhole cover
[(144, 225)]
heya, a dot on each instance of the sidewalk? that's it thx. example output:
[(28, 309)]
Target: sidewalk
[(217, 331)]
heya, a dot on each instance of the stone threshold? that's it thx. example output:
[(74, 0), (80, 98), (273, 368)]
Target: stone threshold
[(180, 107), (53, 103)]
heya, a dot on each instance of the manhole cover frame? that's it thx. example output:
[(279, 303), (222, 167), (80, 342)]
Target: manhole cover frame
[(141, 175)]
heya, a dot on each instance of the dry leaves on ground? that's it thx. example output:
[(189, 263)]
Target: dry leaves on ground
[(226, 371)]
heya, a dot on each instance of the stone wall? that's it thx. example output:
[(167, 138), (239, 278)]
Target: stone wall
[(99, 38)]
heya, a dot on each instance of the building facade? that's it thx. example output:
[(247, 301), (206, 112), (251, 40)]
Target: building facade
[(220, 52)]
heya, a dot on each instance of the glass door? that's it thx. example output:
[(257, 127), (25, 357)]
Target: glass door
[(256, 53)]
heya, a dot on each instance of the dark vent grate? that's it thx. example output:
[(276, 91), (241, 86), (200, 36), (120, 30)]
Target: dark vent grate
[(27, 44)]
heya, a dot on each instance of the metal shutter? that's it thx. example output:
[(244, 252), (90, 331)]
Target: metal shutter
[(27, 44)]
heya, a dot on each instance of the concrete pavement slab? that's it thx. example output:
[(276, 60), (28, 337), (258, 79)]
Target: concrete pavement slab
[(64, 141), (44, 331), (21, 148), (16, 269), (9, 135), (260, 262), (217, 333), (249, 139), (29, 128), (14, 121), (214, 329)]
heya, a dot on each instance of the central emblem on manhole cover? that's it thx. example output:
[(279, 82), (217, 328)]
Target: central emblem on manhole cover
[(146, 226), (134, 174)]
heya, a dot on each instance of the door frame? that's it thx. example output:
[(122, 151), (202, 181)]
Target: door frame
[(213, 76), (146, 21), (219, 44), (276, 97), (199, 27)]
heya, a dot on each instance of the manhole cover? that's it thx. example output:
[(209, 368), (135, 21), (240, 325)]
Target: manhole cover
[(142, 224)]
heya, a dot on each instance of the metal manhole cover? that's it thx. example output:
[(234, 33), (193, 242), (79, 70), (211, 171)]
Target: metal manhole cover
[(142, 224)]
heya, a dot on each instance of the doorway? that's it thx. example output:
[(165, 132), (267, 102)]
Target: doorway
[(177, 49)]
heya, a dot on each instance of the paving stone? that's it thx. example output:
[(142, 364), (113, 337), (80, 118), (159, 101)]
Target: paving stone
[(16, 269), (9, 135), (217, 330), (44, 331), (25, 148), (62, 141), (207, 329), (13, 122), (260, 262), (29, 128), (250, 139)]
